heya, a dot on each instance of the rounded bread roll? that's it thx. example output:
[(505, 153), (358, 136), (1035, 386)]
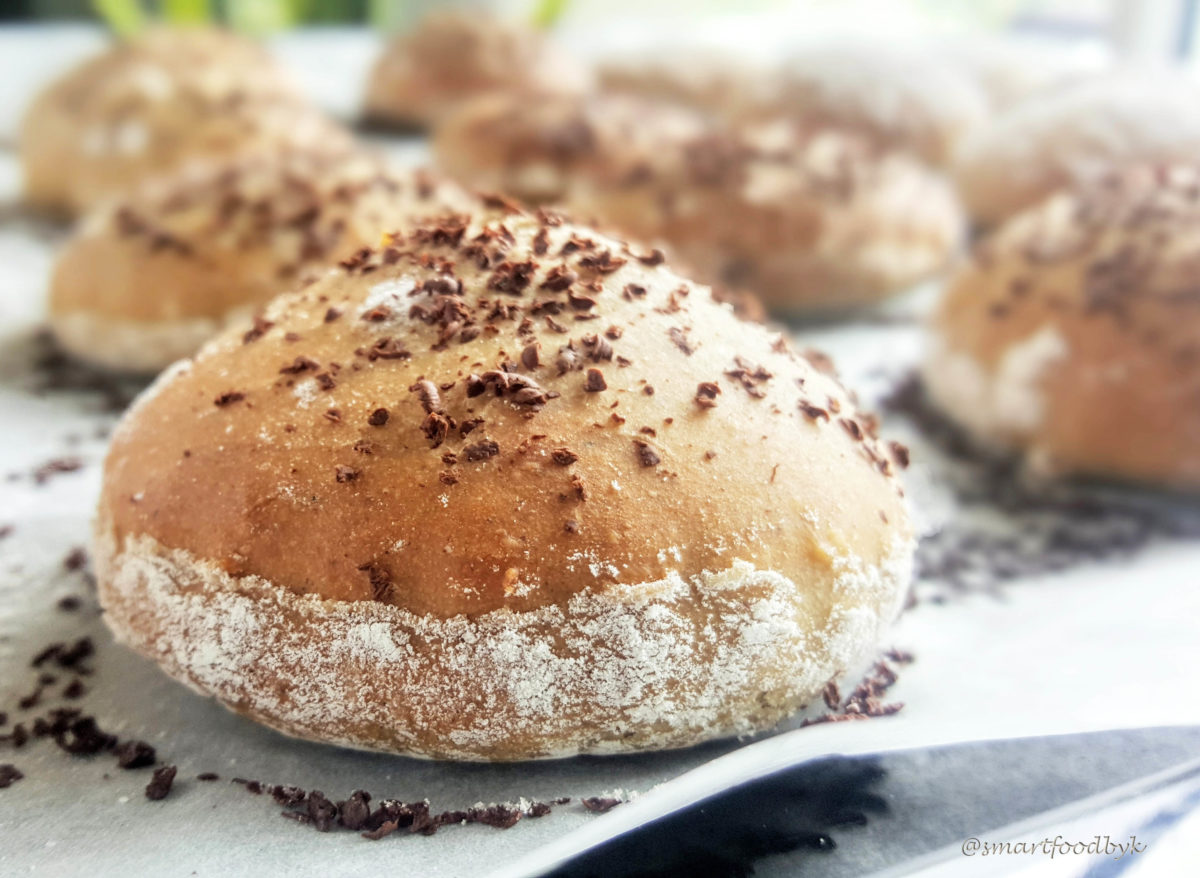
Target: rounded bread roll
[(150, 105), (516, 491), (452, 56), (148, 278), (719, 82), (1072, 134), (903, 98), (803, 219), (1073, 334)]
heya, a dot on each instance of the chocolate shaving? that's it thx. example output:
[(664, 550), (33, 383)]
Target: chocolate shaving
[(160, 785), (706, 394), (595, 381)]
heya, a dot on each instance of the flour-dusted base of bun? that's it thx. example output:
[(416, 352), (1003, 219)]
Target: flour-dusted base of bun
[(652, 666), (132, 345), (1004, 406)]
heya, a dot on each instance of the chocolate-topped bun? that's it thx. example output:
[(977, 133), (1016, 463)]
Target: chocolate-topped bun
[(1073, 335), (503, 489), (148, 278), (1073, 134), (902, 98), (802, 218), (452, 56), (150, 105)]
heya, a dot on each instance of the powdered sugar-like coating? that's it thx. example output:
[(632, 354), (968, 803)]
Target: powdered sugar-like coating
[(633, 667), (1004, 403)]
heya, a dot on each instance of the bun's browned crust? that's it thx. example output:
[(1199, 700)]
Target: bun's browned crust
[(149, 277), (1074, 333), (455, 56), (504, 489), (802, 218), (149, 106)]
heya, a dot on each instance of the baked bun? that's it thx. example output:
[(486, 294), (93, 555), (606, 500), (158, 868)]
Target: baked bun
[(150, 277), (1010, 71), (454, 56), (1073, 134), (148, 106), (902, 98), (515, 492), (1073, 335), (803, 219), (719, 82)]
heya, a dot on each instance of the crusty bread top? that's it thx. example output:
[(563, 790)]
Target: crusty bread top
[(453, 55), (150, 105), (1122, 250), (502, 411), (233, 233)]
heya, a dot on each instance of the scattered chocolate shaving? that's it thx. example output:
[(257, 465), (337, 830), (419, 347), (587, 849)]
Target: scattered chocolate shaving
[(208, 776), (298, 365), (76, 559), (646, 453), (706, 394), (378, 418), (261, 325), (427, 392), (332, 314), (53, 467), (595, 381), (228, 398), (600, 804), (160, 785), (9, 775), (481, 450), (380, 580), (680, 338), (563, 456), (345, 473), (135, 754)]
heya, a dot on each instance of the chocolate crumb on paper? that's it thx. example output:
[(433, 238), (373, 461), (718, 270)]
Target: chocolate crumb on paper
[(9, 775), (160, 784)]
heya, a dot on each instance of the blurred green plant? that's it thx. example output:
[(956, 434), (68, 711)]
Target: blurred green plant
[(126, 17), (547, 13)]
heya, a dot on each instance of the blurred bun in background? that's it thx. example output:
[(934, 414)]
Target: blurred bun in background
[(903, 98), (722, 83), (149, 105), (1074, 133), (1073, 335), (149, 277), (453, 56), (801, 218), (1009, 71)]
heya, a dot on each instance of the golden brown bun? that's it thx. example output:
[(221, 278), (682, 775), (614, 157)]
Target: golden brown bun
[(902, 98), (485, 507), (455, 56), (1074, 332), (147, 279), (1074, 134), (148, 106), (803, 219)]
